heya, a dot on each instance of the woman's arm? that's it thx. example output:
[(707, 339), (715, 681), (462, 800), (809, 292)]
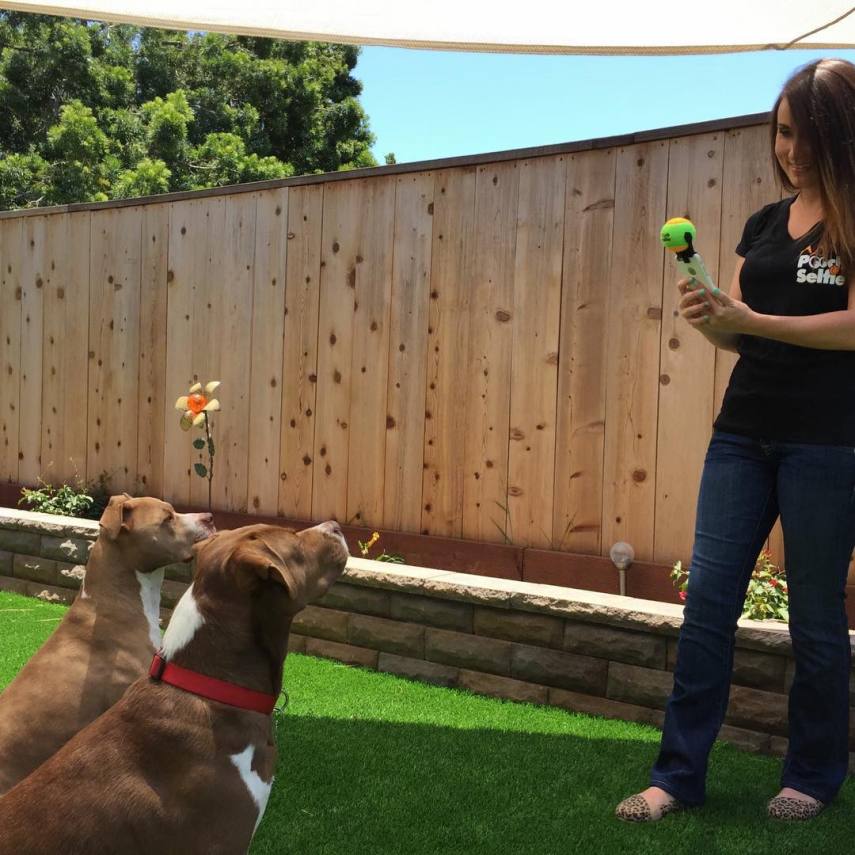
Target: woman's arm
[(729, 315), (828, 331)]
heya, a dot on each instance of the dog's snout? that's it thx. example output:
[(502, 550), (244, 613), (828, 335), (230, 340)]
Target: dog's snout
[(203, 524), (333, 529)]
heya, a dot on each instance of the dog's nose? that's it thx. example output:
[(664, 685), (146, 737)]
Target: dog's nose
[(205, 524), (334, 528)]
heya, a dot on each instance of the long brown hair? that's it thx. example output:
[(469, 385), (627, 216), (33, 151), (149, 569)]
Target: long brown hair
[(821, 97)]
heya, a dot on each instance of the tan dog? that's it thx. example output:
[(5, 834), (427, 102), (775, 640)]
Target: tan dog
[(106, 639), (168, 770)]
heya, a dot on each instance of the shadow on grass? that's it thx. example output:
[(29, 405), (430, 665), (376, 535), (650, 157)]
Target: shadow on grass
[(352, 786)]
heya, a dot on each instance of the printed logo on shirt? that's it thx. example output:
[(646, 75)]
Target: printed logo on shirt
[(813, 268)]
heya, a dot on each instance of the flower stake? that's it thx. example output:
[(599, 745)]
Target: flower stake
[(196, 407)]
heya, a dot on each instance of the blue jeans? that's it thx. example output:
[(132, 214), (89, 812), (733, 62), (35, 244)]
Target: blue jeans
[(746, 484)]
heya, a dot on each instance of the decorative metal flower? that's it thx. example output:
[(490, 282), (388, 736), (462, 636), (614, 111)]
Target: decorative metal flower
[(196, 407), (197, 403)]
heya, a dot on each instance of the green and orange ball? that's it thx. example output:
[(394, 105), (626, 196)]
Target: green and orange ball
[(673, 234)]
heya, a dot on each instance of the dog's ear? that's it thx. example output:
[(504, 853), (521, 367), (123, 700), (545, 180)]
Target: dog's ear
[(116, 515), (258, 560)]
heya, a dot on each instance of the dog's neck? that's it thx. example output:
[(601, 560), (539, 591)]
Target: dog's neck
[(110, 580), (227, 649)]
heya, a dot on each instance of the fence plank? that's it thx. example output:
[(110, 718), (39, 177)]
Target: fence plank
[(370, 354), (687, 359), (155, 401), (34, 252), (535, 327), (11, 294), (629, 478), (114, 342), (485, 490), (268, 323), (344, 210), (300, 353), (209, 327), (408, 352), (221, 347), (582, 378), (448, 351), (66, 349), (187, 252)]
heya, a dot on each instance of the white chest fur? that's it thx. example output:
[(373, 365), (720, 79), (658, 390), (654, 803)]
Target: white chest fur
[(150, 585), (258, 789), (185, 621)]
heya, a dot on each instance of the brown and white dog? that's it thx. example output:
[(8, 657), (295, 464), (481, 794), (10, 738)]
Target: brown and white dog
[(174, 770), (106, 639)]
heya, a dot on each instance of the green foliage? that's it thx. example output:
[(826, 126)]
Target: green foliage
[(23, 180), (65, 500), (166, 121), (223, 159), (95, 111), (147, 178), (767, 597)]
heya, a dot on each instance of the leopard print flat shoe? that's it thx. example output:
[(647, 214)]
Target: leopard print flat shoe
[(786, 807), (636, 809)]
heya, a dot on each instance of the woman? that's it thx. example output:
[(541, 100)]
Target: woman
[(783, 444)]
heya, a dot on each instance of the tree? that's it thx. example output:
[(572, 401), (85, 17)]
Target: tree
[(92, 111)]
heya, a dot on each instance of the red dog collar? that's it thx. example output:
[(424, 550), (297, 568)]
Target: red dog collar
[(209, 687)]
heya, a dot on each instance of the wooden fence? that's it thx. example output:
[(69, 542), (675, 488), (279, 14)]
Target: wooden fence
[(487, 349)]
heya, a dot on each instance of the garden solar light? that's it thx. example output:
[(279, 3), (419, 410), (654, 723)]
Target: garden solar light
[(622, 555)]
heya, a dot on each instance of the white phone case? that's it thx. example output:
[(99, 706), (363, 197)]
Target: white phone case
[(694, 268)]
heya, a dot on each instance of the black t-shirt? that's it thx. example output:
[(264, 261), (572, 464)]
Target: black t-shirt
[(783, 391)]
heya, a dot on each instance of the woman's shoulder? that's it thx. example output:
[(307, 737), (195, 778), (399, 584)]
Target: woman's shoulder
[(767, 217), (770, 211)]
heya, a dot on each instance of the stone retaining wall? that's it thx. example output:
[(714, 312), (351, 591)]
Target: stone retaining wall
[(589, 652)]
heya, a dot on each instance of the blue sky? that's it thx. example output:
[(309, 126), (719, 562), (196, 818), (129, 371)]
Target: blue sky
[(430, 104)]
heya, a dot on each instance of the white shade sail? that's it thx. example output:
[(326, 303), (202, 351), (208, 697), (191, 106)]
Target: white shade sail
[(536, 26)]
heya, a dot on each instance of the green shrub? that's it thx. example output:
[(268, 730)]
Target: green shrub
[(82, 500), (766, 598)]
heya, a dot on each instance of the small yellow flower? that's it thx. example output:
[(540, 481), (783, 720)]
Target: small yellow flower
[(196, 403), (365, 547)]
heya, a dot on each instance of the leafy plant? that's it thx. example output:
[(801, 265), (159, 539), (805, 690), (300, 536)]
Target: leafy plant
[(80, 500), (365, 548), (767, 596)]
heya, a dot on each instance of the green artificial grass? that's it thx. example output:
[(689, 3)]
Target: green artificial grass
[(371, 763), (25, 623)]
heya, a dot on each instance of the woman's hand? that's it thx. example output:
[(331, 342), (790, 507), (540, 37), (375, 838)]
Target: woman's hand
[(714, 311)]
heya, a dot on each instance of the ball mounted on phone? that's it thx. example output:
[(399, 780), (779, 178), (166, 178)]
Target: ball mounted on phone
[(678, 235)]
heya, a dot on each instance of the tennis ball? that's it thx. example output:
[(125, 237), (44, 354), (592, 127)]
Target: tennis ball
[(673, 234)]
